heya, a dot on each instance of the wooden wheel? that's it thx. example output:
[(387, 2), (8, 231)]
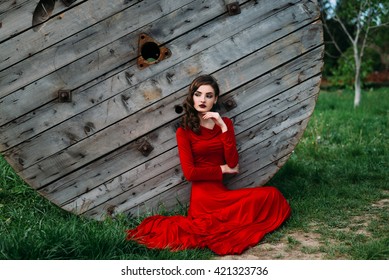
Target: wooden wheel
[(94, 132)]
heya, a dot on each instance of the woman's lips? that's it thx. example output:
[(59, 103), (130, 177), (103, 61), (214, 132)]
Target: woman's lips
[(202, 106)]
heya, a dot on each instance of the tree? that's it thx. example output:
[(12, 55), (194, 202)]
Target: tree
[(356, 19)]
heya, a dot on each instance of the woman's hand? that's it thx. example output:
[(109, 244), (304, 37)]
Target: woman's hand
[(228, 170), (217, 119)]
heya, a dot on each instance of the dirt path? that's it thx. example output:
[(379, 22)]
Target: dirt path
[(309, 245), (294, 246)]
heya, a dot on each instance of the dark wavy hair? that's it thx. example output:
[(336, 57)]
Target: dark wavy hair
[(190, 119)]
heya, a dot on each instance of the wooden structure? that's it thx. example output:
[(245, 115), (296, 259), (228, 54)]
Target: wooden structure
[(90, 96)]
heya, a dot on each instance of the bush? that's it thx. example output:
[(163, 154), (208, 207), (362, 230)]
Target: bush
[(343, 75)]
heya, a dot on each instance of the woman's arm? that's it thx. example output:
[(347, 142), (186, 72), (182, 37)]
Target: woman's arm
[(228, 138), (229, 144), (191, 172)]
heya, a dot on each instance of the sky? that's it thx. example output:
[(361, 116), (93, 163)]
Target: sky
[(333, 2)]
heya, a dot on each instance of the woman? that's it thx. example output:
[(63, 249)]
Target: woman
[(225, 221)]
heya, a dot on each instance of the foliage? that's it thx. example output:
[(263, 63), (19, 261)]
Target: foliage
[(363, 15), (343, 73), (359, 24)]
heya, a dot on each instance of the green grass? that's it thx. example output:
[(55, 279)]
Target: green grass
[(338, 171), (333, 179)]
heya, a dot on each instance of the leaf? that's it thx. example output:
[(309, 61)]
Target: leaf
[(42, 13)]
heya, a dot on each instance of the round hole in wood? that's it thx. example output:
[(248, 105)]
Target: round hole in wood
[(178, 109), (150, 52)]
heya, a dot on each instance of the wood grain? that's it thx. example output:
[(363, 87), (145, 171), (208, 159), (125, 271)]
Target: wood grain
[(84, 155)]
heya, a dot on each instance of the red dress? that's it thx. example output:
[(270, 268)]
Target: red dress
[(226, 221)]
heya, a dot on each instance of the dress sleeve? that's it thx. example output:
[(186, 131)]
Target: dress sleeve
[(229, 144), (191, 172)]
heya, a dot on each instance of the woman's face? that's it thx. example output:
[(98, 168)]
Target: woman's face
[(204, 98)]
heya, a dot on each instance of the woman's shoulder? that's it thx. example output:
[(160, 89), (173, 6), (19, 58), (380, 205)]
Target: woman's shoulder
[(181, 131)]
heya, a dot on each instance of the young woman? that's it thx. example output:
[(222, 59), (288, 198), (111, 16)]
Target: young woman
[(226, 221)]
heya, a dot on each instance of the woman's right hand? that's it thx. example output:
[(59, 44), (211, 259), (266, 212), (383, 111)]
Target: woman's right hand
[(228, 170)]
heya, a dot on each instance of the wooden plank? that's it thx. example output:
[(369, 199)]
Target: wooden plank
[(92, 41), (94, 65), (86, 159), (127, 197), (107, 168), (129, 180), (173, 199), (133, 182), (97, 145), (117, 163), (281, 134), (267, 163), (143, 192), (9, 6), (137, 194), (15, 17), (65, 136), (157, 112), (85, 42), (23, 128), (56, 29)]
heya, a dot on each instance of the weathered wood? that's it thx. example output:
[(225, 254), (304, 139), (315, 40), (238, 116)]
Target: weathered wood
[(285, 82), (87, 42), (247, 94), (173, 198), (21, 129), (136, 194), (81, 152), (92, 42), (85, 155), (15, 17), (64, 135), (56, 29)]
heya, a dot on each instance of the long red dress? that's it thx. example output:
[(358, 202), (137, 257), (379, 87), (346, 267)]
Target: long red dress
[(226, 221)]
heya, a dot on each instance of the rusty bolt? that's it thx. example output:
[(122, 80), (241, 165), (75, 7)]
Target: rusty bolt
[(64, 96), (233, 9), (145, 148)]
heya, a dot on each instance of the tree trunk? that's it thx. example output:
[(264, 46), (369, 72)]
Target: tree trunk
[(357, 80), (357, 85)]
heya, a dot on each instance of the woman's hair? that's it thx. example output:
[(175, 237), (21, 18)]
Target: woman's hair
[(190, 119)]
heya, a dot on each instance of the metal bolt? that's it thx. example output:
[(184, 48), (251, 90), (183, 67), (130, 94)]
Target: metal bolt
[(64, 96), (233, 8)]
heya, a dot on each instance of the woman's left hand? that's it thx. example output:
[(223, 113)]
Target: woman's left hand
[(215, 116)]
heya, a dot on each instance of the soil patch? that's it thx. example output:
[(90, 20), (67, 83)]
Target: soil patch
[(293, 246), (308, 245)]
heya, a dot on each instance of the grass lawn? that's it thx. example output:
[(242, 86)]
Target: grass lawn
[(335, 180)]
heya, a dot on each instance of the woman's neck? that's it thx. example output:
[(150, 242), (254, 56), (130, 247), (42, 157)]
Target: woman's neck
[(207, 123)]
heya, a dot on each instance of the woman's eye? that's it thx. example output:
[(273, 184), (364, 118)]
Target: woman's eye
[(209, 96)]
